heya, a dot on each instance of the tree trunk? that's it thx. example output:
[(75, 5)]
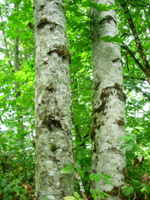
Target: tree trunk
[(5, 40), (52, 101), (18, 92), (109, 103), (19, 114)]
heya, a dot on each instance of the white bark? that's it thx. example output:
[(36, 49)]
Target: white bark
[(109, 103), (52, 100)]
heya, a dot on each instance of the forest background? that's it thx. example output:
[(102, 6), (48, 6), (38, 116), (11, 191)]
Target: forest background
[(17, 94)]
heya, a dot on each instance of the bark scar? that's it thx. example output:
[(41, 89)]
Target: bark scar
[(106, 92), (108, 19), (43, 22), (50, 88), (62, 51), (41, 8), (117, 60), (50, 122), (121, 122)]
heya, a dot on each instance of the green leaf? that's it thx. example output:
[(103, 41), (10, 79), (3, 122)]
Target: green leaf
[(81, 70), (76, 195), (69, 198), (46, 198), (92, 191), (68, 168), (97, 177), (127, 190), (106, 178), (108, 195), (101, 195), (92, 177), (101, 7), (143, 189), (114, 39), (10, 197), (23, 197), (80, 171), (93, 194), (148, 189)]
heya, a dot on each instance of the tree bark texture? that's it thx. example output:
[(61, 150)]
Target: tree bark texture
[(109, 103), (52, 101)]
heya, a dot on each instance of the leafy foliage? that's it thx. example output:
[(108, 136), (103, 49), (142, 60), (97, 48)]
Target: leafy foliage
[(17, 103)]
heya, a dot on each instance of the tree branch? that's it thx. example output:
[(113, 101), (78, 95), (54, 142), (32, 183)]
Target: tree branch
[(132, 77), (136, 37), (5, 41), (135, 59)]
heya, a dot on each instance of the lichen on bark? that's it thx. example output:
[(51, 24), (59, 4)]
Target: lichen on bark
[(52, 100), (109, 103)]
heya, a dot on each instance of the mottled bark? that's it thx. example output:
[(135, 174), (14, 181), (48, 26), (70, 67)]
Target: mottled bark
[(52, 101), (109, 103)]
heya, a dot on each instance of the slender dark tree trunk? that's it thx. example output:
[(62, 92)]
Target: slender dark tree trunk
[(19, 114)]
